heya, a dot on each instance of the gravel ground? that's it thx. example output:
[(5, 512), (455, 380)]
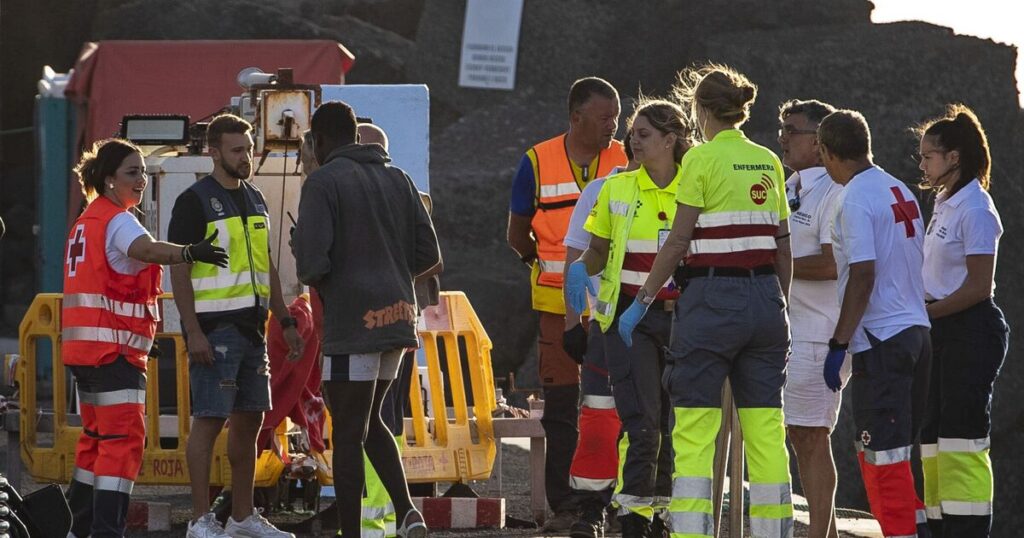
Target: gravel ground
[(515, 489)]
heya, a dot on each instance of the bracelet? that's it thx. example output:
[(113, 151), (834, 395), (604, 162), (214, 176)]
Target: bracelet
[(834, 344), (186, 254), (288, 322), (783, 236), (643, 298)]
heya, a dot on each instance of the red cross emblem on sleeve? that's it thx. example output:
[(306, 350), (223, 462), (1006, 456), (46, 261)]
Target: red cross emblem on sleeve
[(905, 211), (76, 249)]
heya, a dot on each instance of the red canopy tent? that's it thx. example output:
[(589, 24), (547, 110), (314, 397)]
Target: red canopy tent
[(116, 78)]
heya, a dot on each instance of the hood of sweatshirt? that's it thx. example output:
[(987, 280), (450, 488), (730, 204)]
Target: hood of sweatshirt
[(360, 153)]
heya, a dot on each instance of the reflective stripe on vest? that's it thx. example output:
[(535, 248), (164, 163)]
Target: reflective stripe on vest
[(245, 283), (559, 189), (548, 266), (104, 313), (734, 239), (138, 342), (120, 308), (623, 193), (557, 192)]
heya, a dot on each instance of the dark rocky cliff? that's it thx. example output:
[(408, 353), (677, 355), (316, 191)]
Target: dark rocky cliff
[(897, 74)]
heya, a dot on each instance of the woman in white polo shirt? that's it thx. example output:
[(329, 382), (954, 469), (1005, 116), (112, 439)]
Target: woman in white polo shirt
[(969, 333)]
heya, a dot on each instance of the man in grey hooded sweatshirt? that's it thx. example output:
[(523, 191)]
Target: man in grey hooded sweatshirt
[(362, 237)]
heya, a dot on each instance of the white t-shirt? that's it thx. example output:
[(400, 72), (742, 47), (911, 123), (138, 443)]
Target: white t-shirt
[(878, 220), (578, 238), (965, 224), (813, 304), (122, 230)]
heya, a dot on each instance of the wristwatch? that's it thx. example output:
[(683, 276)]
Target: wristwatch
[(288, 322), (643, 298), (834, 344)]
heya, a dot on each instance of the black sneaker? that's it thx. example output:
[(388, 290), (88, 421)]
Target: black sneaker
[(589, 525), (659, 529), (560, 523), (611, 520), (635, 526)]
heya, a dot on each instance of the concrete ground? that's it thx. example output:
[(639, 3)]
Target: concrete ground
[(515, 490)]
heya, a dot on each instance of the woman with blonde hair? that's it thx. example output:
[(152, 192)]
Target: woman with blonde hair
[(628, 225), (731, 232)]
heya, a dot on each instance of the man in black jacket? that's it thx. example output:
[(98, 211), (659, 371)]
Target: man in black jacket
[(362, 237)]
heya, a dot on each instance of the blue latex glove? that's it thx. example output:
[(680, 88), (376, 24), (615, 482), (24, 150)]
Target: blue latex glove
[(833, 364), (629, 320), (577, 283)]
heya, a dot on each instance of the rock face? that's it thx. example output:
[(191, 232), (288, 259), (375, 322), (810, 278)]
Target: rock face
[(896, 74)]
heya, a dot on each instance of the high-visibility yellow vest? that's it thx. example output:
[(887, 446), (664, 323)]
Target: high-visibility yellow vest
[(631, 212), (557, 192), (245, 283)]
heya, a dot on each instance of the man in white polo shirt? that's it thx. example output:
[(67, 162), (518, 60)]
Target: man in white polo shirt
[(878, 238), (809, 407)]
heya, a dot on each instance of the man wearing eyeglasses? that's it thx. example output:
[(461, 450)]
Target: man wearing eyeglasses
[(809, 406)]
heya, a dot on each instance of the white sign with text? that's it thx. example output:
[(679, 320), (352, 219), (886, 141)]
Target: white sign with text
[(490, 44)]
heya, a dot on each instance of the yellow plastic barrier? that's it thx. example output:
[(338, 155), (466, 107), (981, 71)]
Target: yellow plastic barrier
[(159, 465), (457, 449), (461, 447)]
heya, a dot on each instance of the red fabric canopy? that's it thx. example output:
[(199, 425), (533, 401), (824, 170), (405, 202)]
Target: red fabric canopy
[(116, 78)]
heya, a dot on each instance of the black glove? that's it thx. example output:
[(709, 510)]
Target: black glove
[(574, 342), (205, 252)]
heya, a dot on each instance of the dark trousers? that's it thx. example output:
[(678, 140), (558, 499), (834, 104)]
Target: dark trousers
[(595, 463), (560, 377), (644, 409), (969, 348), (109, 451), (889, 389)]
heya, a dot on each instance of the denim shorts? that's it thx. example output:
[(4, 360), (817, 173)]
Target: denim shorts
[(237, 381)]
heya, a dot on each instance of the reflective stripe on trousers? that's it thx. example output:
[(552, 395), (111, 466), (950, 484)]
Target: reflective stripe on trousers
[(83, 476), (629, 504), (771, 504), (598, 402), (693, 444), (693, 439), (968, 491), (114, 483), (114, 397), (590, 484)]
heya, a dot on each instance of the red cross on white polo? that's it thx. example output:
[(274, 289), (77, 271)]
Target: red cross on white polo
[(905, 211), (76, 249)]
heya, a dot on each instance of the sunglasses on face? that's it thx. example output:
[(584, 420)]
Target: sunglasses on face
[(794, 203), (789, 131)]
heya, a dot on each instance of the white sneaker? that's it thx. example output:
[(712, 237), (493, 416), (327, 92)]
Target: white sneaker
[(254, 526), (206, 527)]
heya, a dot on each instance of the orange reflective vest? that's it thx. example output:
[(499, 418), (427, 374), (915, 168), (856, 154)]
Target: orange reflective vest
[(105, 313), (557, 192)]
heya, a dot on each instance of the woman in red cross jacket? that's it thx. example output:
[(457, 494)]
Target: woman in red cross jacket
[(112, 277)]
